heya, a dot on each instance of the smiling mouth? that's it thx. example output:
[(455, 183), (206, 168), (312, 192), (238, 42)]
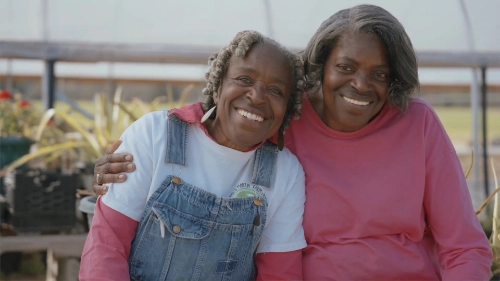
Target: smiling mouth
[(356, 102), (250, 116)]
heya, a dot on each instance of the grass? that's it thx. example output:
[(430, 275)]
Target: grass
[(458, 123)]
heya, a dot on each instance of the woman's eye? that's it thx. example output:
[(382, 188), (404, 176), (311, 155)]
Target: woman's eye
[(345, 68), (381, 76), (245, 80), (276, 92)]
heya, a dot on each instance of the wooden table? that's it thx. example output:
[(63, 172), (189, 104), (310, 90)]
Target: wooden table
[(63, 252)]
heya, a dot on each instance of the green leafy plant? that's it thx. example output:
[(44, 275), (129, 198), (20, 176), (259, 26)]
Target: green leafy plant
[(60, 134)]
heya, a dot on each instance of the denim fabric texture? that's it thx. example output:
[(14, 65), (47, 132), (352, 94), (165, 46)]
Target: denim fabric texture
[(187, 233)]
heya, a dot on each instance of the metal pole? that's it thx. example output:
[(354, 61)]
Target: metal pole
[(269, 19), (484, 93), (9, 85), (474, 102), (48, 84), (49, 78)]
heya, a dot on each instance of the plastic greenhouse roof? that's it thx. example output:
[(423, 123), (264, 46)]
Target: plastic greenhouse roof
[(434, 26)]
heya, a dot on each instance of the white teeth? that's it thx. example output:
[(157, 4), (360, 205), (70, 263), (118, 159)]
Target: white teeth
[(250, 116), (356, 102)]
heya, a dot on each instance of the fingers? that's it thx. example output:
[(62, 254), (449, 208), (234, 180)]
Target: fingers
[(111, 169), (101, 179), (113, 147), (114, 158), (100, 189)]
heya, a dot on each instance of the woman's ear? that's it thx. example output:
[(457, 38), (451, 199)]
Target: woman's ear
[(216, 94)]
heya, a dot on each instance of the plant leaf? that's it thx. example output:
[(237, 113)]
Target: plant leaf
[(43, 123), (41, 152)]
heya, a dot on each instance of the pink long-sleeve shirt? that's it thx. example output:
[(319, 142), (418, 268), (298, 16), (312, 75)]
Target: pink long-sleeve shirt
[(387, 202)]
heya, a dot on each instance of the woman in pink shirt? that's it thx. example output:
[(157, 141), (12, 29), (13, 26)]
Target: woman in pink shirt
[(386, 195)]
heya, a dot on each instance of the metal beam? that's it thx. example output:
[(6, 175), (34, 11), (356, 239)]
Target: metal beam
[(100, 52), (164, 53)]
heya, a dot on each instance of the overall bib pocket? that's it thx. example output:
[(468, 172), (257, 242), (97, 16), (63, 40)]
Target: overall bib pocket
[(166, 232), (179, 224)]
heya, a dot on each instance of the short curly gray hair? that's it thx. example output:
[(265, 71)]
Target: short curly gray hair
[(366, 19), (239, 46)]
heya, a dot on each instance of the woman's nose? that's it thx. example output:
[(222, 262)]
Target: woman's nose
[(361, 82), (258, 93)]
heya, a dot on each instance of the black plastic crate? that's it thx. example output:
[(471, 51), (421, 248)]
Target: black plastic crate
[(42, 201)]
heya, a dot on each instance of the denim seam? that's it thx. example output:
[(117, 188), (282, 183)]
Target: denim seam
[(176, 125)]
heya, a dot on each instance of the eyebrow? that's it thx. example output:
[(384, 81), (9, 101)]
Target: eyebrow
[(251, 70), (351, 60)]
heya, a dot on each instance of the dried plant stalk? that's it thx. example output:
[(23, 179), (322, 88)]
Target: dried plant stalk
[(471, 164), (487, 201), (495, 239)]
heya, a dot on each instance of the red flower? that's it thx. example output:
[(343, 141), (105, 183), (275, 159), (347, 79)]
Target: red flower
[(5, 95), (24, 104)]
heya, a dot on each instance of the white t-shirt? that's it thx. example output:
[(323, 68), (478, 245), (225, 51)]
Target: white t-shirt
[(215, 168)]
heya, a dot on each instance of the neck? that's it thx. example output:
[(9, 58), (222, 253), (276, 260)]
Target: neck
[(215, 131)]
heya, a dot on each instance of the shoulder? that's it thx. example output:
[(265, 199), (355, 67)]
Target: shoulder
[(290, 172), (150, 120), (287, 159), (148, 128), (154, 117), (419, 113), (420, 107), (434, 132)]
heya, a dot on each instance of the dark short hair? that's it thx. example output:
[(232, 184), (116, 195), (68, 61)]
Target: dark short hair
[(239, 46), (367, 19)]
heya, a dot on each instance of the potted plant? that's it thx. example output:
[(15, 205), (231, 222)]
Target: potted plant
[(17, 118), (81, 140)]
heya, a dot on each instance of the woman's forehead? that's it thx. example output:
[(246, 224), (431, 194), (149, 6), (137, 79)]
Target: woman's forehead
[(361, 47), (263, 58)]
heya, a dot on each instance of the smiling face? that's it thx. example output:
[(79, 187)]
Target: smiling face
[(355, 82), (252, 99)]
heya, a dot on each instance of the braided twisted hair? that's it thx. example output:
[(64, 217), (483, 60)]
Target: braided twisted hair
[(367, 19), (239, 46)]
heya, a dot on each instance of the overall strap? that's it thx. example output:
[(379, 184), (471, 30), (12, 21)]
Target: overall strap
[(264, 168), (176, 140)]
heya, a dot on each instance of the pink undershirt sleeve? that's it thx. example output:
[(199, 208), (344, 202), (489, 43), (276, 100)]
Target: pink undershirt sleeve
[(279, 266), (107, 248)]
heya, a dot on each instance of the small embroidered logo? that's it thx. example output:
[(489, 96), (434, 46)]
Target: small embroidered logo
[(244, 190)]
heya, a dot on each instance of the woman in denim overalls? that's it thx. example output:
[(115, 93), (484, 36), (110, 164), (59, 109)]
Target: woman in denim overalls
[(183, 229)]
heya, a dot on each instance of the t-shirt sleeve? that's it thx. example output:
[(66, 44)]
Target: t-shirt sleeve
[(283, 231), (130, 197)]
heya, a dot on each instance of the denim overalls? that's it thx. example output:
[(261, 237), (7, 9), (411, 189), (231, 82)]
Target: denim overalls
[(187, 233)]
